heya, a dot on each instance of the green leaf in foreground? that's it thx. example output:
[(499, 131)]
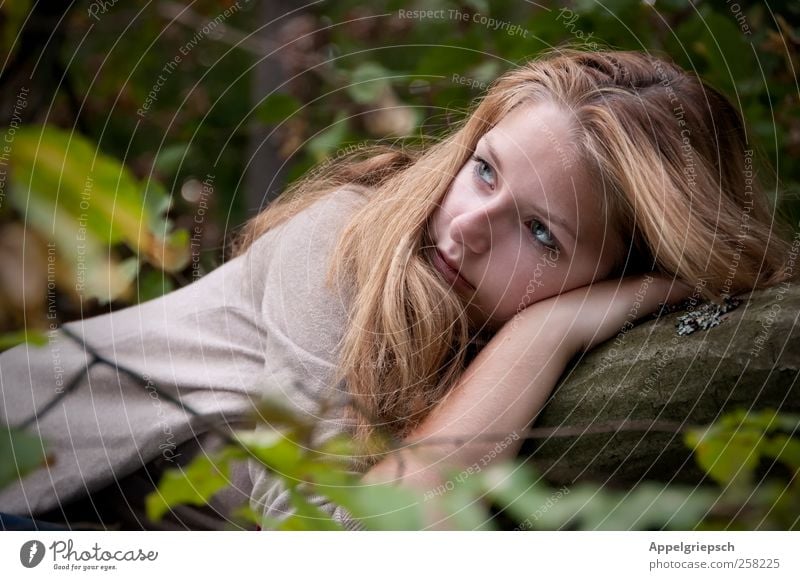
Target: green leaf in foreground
[(169, 159), (730, 450), (535, 505), (20, 454), (326, 142), (276, 108), (72, 180), (307, 516), (368, 82), (194, 485), (11, 339), (378, 506)]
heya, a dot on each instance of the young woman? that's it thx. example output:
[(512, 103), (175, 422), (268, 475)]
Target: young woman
[(430, 294)]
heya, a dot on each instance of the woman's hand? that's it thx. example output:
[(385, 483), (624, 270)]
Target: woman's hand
[(586, 316), (509, 381)]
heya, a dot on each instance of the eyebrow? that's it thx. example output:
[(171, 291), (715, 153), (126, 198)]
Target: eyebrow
[(565, 225)]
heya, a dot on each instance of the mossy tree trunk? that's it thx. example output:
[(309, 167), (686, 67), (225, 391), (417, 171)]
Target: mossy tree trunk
[(651, 375)]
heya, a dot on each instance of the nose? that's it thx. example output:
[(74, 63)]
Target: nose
[(478, 226)]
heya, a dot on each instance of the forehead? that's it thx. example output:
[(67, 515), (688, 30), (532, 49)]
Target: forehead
[(538, 159), (535, 137)]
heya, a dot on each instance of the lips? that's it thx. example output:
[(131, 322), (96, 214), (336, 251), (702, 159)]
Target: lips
[(449, 271)]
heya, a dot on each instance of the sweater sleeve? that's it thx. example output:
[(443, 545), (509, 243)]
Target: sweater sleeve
[(305, 323), (260, 322), (197, 346)]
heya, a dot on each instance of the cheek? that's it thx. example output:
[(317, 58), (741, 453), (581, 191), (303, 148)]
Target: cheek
[(509, 286), (532, 284)]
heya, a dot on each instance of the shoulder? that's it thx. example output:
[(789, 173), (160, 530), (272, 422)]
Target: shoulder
[(318, 222), (287, 269), (307, 236), (342, 201)]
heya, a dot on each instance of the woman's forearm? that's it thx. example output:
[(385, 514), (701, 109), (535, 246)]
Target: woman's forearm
[(511, 378), (500, 393)]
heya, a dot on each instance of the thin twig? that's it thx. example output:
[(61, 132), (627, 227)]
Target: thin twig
[(393, 443)]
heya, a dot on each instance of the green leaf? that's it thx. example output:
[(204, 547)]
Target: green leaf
[(378, 506), (340, 445), (20, 454), (729, 460), (276, 410), (276, 108), (96, 271), (729, 51), (730, 449), (446, 61), (568, 507), (250, 516), (486, 72), (655, 506), (247, 516), (334, 455), (169, 159), (784, 449), (33, 337), (194, 485), (279, 451), (763, 421), (158, 202), (515, 487), (153, 284), (787, 422), (306, 516), (467, 510), (72, 181), (13, 18), (480, 6), (330, 139), (368, 82), (173, 252)]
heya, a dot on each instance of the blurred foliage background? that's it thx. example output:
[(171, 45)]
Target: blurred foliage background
[(139, 135)]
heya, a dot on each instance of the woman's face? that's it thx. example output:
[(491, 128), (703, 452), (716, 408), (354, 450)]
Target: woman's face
[(522, 220)]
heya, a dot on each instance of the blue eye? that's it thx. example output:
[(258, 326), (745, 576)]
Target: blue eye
[(485, 173), (538, 229), (483, 170)]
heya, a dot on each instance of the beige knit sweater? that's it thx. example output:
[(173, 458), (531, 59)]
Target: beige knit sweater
[(259, 324)]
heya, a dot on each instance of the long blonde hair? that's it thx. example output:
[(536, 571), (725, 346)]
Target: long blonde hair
[(671, 155)]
